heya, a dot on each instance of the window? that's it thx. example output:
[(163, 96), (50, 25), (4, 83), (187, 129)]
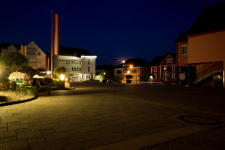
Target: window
[(67, 62), (89, 61), (184, 49), (134, 71), (173, 68), (173, 76), (88, 69), (155, 69)]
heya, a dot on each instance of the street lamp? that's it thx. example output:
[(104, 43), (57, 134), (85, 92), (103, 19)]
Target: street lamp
[(151, 78), (62, 77), (48, 72)]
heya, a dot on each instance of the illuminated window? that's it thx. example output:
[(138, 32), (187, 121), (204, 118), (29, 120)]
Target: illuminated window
[(184, 49), (155, 69)]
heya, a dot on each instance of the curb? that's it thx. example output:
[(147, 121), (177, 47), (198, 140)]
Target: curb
[(20, 101)]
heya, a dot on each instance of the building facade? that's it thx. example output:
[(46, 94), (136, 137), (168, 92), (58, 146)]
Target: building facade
[(164, 69), (36, 56), (204, 62), (182, 59), (133, 71), (78, 67), (9, 47)]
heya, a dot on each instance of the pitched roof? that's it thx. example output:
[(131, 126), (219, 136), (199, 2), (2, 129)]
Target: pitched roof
[(69, 51), (210, 19), (182, 37), (158, 59), (6, 45)]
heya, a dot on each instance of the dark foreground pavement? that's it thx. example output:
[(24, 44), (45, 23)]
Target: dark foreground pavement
[(117, 117)]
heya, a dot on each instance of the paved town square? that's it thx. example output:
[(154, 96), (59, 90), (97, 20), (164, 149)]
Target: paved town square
[(115, 116)]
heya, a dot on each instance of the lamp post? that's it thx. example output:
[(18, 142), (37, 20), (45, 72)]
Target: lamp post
[(151, 78)]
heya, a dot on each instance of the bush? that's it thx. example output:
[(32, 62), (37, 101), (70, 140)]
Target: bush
[(47, 82)]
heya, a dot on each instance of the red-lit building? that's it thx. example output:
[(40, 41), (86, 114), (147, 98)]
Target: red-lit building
[(163, 69)]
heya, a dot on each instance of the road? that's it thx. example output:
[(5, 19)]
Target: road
[(114, 116)]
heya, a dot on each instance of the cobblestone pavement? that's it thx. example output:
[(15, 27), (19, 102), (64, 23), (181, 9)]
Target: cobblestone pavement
[(90, 116)]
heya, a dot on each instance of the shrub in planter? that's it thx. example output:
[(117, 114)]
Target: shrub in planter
[(47, 81)]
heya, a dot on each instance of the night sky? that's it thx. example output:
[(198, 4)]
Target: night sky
[(107, 28)]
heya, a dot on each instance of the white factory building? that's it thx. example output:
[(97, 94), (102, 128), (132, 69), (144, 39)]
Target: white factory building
[(79, 64)]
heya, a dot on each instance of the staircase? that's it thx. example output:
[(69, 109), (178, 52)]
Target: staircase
[(204, 71)]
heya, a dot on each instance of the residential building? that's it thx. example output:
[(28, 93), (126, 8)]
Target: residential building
[(104, 73), (79, 64), (133, 71), (206, 48), (182, 59), (9, 47), (35, 55), (163, 69)]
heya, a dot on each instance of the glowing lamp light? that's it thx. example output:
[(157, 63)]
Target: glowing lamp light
[(123, 61), (128, 71), (151, 77), (131, 66), (218, 76), (48, 72), (104, 73), (62, 77)]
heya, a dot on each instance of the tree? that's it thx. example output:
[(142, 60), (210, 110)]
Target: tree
[(28, 70), (60, 70), (13, 61)]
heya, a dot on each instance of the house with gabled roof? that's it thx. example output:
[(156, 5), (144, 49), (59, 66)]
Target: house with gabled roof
[(163, 69), (133, 71)]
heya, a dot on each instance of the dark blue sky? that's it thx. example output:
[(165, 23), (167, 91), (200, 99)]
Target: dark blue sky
[(107, 28)]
